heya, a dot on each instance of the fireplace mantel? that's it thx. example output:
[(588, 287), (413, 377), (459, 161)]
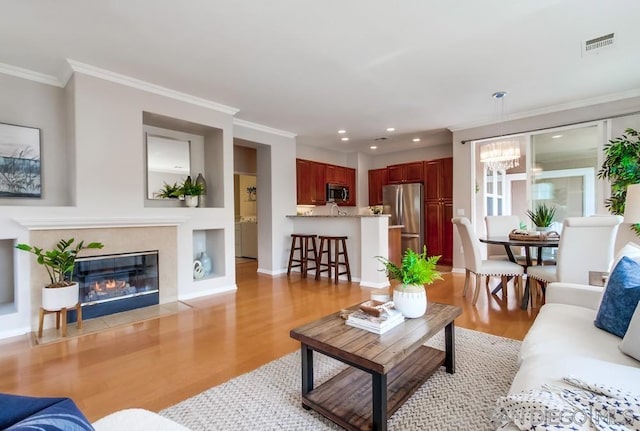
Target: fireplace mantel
[(51, 223)]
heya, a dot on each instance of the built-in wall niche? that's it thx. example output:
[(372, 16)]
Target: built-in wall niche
[(7, 283), (211, 242), (205, 156)]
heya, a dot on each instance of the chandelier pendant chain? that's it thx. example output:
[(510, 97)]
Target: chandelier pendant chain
[(502, 154)]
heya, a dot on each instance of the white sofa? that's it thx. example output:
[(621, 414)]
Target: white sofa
[(136, 420), (563, 341)]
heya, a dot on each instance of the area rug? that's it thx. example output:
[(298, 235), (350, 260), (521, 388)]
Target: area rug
[(268, 398)]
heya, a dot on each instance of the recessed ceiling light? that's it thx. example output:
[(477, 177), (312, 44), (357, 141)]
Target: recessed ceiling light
[(391, 129), (342, 132), (556, 136), (344, 139), (373, 147), (416, 139)]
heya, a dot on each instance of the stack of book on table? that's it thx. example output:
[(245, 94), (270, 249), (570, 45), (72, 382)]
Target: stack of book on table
[(376, 317)]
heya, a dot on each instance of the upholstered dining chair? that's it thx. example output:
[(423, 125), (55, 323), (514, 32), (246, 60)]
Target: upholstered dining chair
[(501, 226), (484, 268), (586, 244)]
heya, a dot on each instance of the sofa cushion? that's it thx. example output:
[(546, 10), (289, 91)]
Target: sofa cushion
[(136, 420), (550, 368), (568, 330), (631, 342), (620, 297)]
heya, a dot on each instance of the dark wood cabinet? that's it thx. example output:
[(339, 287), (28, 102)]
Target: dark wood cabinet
[(336, 174), (406, 173), (377, 180), (350, 175), (310, 182), (438, 194)]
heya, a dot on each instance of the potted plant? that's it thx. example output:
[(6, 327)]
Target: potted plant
[(169, 191), (62, 291), (542, 216), (191, 191), (622, 168), (416, 270)]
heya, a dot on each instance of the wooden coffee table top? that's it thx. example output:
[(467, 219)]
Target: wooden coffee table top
[(379, 353)]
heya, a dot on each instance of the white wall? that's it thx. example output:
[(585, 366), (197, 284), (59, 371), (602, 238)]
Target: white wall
[(463, 183), (426, 153), (321, 155)]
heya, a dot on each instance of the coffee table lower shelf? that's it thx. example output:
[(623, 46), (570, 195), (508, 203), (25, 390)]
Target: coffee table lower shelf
[(346, 398)]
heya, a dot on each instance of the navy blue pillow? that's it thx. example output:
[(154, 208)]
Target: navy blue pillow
[(621, 298), (31, 413)]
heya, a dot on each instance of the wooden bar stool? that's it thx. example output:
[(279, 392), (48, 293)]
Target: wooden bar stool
[(333, 247), (305, 245), (60, 315)]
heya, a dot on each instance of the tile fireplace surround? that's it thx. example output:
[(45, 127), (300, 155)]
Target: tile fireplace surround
[(115, 240)]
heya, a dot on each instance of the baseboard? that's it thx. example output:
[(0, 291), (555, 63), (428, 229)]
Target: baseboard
[(458, 270), (207, 292), (14, 332)]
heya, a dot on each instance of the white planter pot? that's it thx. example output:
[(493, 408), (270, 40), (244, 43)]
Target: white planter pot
[(61, 297), (191, 201), (410, 300)]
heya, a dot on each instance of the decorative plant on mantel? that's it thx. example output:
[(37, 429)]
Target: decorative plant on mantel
[(60, 261), (416, 270), (622, 168)]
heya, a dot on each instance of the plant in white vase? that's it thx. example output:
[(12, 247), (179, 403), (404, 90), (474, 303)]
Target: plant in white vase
[(62, 291), (416, 270)]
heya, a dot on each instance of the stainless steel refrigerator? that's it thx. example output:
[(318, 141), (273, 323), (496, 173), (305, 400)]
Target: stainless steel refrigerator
[(405, 204)]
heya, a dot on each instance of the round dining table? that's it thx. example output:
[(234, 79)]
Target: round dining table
[(538, 243)]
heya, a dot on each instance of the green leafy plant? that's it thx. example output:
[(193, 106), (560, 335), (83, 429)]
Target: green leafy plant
[(416, 268), (60, 261), (170, 191), (190, 188), (542, 215), (622, 168)]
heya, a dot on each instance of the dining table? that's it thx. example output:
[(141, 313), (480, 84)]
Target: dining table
[(527, 244)]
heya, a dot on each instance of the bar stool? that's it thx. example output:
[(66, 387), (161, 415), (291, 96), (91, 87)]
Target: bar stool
[(305, 244), (337, 245)]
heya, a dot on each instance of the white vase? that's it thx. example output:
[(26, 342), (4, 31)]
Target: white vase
[(57, 298), (410, 300), (191, 201)]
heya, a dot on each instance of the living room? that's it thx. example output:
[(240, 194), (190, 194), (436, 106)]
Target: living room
[(92, 113)]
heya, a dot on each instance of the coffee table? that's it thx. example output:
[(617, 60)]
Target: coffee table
[(385, 369)]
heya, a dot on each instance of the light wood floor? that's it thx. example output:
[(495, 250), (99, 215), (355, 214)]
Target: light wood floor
[(157, 363)]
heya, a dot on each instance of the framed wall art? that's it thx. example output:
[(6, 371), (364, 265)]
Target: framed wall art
[(20, 173)]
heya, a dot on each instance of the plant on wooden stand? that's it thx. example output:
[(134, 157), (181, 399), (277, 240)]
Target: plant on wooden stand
[(622, 168), (59, 263), (416, 270)]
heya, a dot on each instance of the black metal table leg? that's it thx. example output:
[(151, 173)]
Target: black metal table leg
[(379, 398), (525, 296), (512, 258), (450, 348), (306, 355)]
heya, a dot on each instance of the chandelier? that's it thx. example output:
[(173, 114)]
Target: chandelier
[(502, 154)]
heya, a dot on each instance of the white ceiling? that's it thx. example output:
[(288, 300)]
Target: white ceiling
[(313, 67)]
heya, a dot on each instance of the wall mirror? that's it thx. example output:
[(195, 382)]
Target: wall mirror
[(168, 161)]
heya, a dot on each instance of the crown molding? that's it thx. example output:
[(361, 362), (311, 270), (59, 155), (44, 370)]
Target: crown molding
[(261, 128), (31, 75), (552, 109), (118, 78)]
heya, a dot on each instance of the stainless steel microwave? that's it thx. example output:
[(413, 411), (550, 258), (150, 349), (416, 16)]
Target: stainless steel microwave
[(337, 193)]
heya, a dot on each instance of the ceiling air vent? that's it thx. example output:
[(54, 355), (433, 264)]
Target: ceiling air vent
[(384, 138), (593, 45)]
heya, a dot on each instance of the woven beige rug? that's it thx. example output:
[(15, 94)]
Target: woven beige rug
[(268, 398)]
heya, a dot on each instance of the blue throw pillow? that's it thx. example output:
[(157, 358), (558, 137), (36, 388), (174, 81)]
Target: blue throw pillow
[(31, 413), (620, 298)]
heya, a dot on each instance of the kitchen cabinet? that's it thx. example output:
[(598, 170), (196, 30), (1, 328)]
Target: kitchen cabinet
[(336, 174), (405, 173), (377, 180), (438, 193), (350, 179), (310, 182)]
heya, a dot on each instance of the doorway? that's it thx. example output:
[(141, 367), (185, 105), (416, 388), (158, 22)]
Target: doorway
[(245, 204)]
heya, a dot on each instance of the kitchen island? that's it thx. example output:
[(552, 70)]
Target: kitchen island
[(367, 237)]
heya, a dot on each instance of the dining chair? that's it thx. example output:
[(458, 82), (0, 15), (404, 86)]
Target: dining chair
[(501, 226), (487, 268), (586, 244)]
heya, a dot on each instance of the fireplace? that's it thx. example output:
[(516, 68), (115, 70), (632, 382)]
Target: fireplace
[(116, 282)]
